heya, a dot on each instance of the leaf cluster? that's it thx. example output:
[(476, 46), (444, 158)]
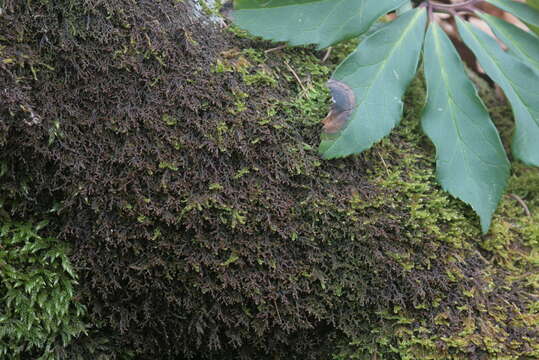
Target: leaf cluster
[(368, 87)]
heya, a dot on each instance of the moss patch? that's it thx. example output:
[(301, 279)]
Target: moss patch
[(487, 306), (205, 225), (40, 314)]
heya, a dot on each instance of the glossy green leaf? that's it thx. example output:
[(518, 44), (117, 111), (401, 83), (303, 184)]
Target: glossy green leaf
[(470, 160), (523, 11), (378, 72), (301, 22), (521, 43), (519, 82)]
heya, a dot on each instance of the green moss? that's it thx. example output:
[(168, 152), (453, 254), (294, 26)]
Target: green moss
[(261, 77), (167, 165), (508, 260), (38, 308), (489, 306), (169, 120), (240, 105), (221, 67)]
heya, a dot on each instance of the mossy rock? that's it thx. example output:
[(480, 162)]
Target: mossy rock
[(181, 162)]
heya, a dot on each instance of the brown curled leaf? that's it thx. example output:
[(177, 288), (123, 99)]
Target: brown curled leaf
[(344, 102)]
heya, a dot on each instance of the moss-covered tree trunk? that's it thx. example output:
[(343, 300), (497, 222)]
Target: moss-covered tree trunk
[(178, 160)]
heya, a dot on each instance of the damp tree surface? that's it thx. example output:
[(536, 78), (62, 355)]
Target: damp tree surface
[(368, 86)]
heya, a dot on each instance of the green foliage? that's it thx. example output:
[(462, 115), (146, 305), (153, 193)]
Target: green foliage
[(523, 11), (471, 164), (320, 22), (519, 82), (522, 44), (375, 68), (38, 311), (459, 125)]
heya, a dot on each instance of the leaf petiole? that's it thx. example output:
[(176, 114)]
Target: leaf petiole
[(452, 9)]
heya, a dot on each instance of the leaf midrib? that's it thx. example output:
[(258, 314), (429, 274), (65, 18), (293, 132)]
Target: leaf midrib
[(454, 104), (384, 64), (441, 60)]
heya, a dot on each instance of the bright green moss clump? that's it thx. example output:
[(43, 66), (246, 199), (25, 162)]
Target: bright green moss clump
[(39, 314)]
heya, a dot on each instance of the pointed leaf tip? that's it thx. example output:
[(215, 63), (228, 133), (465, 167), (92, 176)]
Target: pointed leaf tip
[(470, 159)]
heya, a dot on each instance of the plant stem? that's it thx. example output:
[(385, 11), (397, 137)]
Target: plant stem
[(453, 9)]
